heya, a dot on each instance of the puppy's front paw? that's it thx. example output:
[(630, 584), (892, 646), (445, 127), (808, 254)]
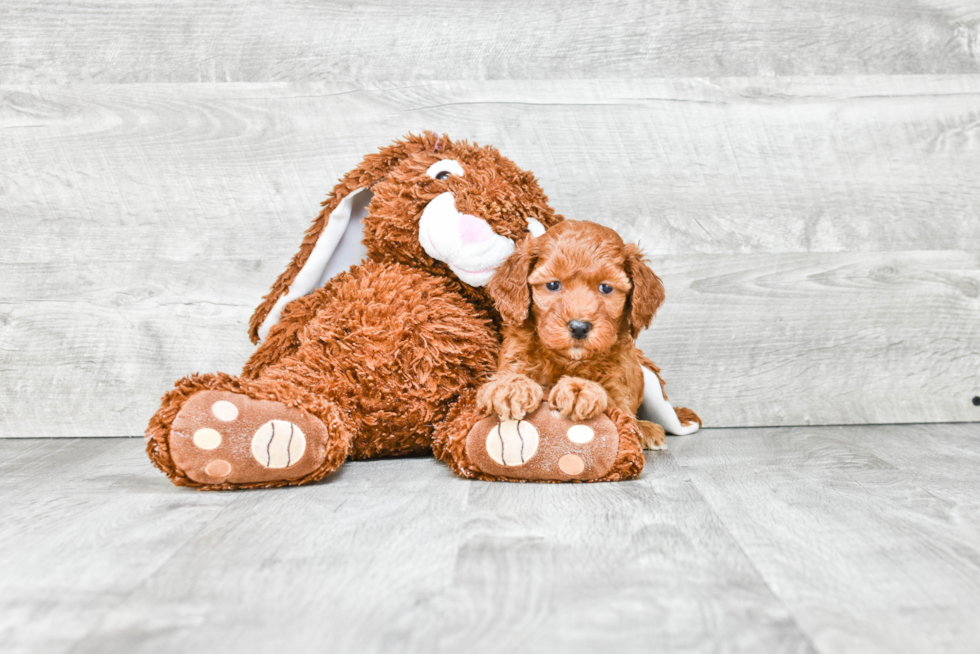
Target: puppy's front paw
[(509, 396), (578, 399)]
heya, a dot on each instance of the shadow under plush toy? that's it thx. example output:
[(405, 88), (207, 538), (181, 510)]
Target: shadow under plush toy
[(376, 338)]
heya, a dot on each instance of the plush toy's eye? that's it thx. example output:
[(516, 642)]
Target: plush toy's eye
[(553, 286), (444, 168), (605, 289)]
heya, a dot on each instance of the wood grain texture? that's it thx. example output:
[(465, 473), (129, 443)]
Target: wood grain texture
[(606, 567), (113, 337), (142, 223), (84, 524), (811, 539), (236, 40), (869, 547), (820, 338), (401, 555), (184, 172)]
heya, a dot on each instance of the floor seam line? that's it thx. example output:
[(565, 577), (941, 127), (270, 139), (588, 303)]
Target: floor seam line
[(792, 615)]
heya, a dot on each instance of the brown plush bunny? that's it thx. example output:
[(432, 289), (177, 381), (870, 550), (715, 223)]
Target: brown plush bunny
[(380, 357)]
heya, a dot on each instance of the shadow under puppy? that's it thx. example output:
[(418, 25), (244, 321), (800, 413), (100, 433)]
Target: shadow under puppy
[(573, 300)]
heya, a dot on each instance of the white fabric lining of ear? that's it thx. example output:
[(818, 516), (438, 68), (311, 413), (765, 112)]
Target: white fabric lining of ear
[(656, 409), (338, 248), (535, 227), (350, 249)]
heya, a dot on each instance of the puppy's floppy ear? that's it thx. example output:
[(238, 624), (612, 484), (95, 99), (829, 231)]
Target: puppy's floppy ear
[(648, 291), (333, 242), (508, 286)]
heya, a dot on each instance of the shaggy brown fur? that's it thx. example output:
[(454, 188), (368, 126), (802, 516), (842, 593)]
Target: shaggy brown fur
[(389, 354), (582, 272)]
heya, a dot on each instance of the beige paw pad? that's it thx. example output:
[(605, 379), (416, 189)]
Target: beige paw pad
[(580, 434), (224, 410), (207, 438), (218, 468), (278, 444), (512, 443), (571, 464)]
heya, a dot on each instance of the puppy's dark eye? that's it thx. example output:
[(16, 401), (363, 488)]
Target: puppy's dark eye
[(605, 289), (553, 286), (444, 175)]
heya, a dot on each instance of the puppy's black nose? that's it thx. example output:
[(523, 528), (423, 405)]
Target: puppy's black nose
[(579, 328)]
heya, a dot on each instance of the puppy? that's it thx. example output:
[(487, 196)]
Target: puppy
[(572, 301)]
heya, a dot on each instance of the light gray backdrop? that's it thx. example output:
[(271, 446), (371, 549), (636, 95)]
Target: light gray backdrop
[(803, 175)]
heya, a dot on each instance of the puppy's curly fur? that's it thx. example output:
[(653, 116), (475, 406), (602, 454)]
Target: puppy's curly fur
[(577, 272)]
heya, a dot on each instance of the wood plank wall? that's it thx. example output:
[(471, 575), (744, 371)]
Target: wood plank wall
[(805, 177)]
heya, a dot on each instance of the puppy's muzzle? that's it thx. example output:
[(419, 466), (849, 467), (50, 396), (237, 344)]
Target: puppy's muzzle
[(579, 329)]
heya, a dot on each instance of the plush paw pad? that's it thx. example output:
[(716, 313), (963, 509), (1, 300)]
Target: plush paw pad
[(278, 444), (222, 437), (513, 442), (544, 447)]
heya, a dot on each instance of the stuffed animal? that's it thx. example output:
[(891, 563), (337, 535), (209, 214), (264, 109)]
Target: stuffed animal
[(375, 339)]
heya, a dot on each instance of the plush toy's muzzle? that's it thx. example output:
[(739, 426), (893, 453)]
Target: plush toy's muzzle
[(464, 242)]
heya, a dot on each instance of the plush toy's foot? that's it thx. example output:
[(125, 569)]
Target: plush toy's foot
[(547, 447), (221, 439)]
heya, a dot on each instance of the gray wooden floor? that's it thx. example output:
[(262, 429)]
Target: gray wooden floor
[(809, 539)]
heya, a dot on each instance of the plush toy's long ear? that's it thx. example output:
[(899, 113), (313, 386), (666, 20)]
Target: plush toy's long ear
[(648, 291), (333, 242), (508, 286)]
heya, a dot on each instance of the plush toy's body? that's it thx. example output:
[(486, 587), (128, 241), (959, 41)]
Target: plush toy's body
[(382, 358)]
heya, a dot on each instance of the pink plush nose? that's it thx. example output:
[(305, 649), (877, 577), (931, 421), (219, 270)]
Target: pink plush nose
[(473, 230)]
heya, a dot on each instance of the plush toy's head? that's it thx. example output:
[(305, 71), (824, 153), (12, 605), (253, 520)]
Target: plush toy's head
[(455, 208), (447, 207)]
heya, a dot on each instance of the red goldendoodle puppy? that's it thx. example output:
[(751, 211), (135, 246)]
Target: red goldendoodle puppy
[(572, 301)]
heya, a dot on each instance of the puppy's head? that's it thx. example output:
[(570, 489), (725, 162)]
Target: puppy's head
[(580, 286)]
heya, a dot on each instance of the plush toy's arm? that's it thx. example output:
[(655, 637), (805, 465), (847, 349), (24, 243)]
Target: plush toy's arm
[(284, 337)]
